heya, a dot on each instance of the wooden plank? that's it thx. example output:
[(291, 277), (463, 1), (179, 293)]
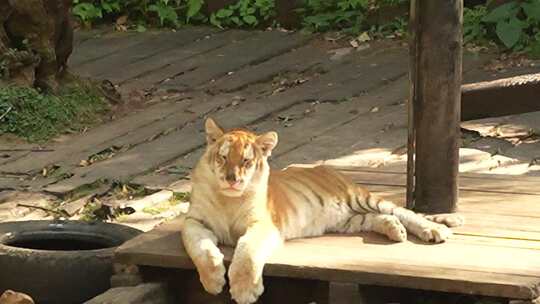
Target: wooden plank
[(297, 60), (183, 66), (318, 122), (111, 43), (382, 130), (9, 182), (170, 122), (383, 138), (83, 35), (436, 69), (474, 201), (182, 53), (478, 182), (494, 254), (205, 67), (370, 259), (321, 118), (146, 49), (9, 156), (399, 168), (166, 148), (102, 133), (513, 96)]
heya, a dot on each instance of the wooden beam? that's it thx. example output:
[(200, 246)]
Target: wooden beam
[(436, 68), (500, 97)]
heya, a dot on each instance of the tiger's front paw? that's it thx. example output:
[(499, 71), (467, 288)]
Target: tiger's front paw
[(212, 272), (246, 285), (435, 233), (393, 228)]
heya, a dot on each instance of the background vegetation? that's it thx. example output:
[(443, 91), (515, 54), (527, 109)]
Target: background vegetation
[(38, 116), (513, 26)]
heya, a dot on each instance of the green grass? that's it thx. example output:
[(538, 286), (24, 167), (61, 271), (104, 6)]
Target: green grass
[(37, 116)]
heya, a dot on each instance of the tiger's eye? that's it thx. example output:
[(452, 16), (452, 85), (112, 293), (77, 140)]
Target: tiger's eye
[(221, 158)]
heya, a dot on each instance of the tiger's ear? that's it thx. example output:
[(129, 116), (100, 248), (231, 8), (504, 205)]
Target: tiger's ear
[(213, 131), (267, 142)]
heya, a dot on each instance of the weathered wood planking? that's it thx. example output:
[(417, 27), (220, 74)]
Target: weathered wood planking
[(148, 156), (151, 46), (255, 49), (220, 61), (476, 182), (326, 118), (164, 59), (494, 254), (514, 95)]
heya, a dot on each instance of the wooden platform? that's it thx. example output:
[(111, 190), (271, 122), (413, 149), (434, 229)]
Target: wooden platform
[(497, 252)]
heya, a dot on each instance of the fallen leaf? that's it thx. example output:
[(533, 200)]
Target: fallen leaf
[(363, 37)]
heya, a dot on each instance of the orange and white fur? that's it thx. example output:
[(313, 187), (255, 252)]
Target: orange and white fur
[(237, 200)]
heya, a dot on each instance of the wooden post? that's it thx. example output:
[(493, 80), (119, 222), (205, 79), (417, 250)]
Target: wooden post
[(436, 65)]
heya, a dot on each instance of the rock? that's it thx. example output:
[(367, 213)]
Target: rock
[(12, 297)]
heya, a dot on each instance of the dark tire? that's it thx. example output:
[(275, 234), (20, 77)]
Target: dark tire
[(64, 262)]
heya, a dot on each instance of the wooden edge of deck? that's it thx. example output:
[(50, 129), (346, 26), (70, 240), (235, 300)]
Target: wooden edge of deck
[(472, 262), (163, 248)]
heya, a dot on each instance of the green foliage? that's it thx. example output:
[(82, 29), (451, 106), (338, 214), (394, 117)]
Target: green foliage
[(88, 12), (193, 9), (515, 25), (171, 13), (165, 12), (323, 15), (35, 116), (394, 28), (244, 13), (473, 27)]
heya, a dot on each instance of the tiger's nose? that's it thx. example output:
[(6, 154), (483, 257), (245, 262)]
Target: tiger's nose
[(231, 178)]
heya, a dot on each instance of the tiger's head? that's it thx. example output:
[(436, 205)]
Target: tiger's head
[(238, 158)]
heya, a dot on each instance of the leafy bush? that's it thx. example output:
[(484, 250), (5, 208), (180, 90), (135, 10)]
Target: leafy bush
[(171, 13), (95, 10), (28, 113), (323, 15), (244, 13), (515, 25)]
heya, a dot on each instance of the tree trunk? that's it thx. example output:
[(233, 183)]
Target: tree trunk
[(36, 40)]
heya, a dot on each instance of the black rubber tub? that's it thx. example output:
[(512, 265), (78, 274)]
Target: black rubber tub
[(58, 262)]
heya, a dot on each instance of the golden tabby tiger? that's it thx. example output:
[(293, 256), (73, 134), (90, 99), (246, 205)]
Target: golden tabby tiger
[(237, 200)]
